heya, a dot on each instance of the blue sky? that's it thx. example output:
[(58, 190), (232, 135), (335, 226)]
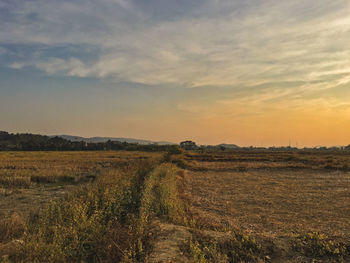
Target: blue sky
[(245, 72)]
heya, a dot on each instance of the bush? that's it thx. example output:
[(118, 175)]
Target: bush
[(318, 245), (236, 248)]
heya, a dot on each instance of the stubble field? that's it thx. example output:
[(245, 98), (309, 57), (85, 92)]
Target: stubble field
[(30, 180), (278, 198)]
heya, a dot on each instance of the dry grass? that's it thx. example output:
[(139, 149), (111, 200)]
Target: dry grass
[(32, 179), (276, 202), (15, 181), (96, 217), (242, 160), (63, 164), (272, 196), (235, 206), (11, 228)]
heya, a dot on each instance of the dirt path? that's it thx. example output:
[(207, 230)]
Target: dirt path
[(169, 239), (167, 243)]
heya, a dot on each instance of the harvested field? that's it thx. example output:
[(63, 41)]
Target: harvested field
[(243, 206), (238, 160), (272, 197), (274, 203), (99, 216), (29, 180)]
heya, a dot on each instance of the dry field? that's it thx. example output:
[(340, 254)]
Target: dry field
[(81, 206), (119, 206), (272, 196), (29, 180), (274, 203)]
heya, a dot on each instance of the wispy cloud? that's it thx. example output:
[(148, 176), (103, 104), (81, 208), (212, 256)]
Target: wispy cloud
[(222, 43)]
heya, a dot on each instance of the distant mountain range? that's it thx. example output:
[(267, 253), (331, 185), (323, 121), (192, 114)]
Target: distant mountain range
[(105, 139)]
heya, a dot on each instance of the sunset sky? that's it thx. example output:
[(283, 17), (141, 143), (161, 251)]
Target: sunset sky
[(249, 72)]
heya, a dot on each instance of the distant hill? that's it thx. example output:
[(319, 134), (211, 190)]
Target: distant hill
[(105, 139)]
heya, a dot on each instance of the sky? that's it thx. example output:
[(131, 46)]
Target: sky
[(252, 72)]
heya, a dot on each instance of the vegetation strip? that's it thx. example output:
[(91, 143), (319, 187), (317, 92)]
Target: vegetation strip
[(107, 220), (99, 222)]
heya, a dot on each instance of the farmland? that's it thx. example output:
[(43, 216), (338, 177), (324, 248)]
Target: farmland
[(275, 197), (219, 206), (29, 179), (68, 206)]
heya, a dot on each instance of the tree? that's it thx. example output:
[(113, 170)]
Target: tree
[(188, 145)]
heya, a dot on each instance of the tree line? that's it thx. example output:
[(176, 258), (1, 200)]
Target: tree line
[(34, 142)]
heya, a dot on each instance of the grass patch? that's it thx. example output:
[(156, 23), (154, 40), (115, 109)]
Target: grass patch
[(161, 196), (11, 228), (97, 223), (319, 246), (237, 248)]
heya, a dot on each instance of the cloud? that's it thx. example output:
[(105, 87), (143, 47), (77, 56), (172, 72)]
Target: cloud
[(17, 65), (71, 67), (209, 43), (2, 51)]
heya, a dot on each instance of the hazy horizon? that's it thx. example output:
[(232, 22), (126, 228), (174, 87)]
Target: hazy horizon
[(259, 73)]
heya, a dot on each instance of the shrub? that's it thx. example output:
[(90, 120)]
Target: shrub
[(318, 245), (236, 248)]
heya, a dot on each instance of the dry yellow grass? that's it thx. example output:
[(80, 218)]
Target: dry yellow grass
[(29, 180), (96, 220), (242, 160), (274, 203), (234, 198), (272, 197)]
